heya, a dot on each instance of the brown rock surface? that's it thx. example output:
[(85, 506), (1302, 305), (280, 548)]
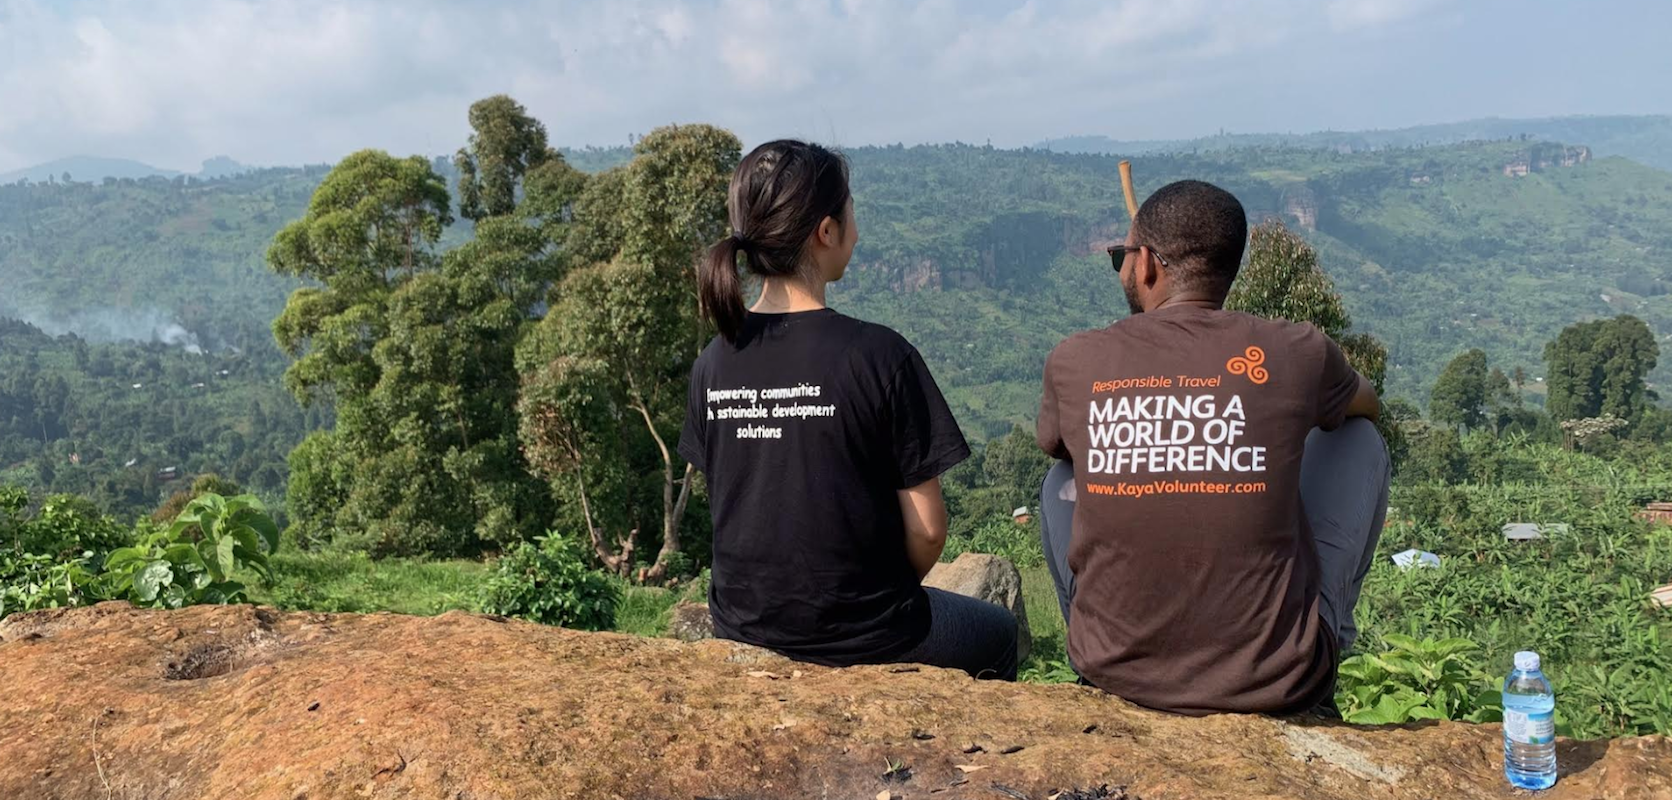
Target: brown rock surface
[(249, 703)]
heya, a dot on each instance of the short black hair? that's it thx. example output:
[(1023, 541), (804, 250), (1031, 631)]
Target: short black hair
[(1200, 229)]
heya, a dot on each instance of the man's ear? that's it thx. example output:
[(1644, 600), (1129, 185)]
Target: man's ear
[(1147, 270)]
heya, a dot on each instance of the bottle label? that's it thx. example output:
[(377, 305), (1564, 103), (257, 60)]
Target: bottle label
[(1538, 727)]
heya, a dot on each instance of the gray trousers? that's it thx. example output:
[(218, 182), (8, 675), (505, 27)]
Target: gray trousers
[(973, 635), (1344, 477)]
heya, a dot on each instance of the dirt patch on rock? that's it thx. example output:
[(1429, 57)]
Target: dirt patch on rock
[(112, 702)]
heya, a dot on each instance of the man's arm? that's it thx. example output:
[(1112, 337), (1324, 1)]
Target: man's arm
[(1342, 392), (1365, 403), (1048, 428), (924, 511)]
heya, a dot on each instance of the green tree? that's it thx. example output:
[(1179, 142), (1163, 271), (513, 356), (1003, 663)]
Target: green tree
[(1506, 410), (505, 145), (373, 214), (1435, 455), (1283, 280), (417, 350), (605, 373), (371, 226), (1400, 415), (1460, 393), (1015, 467), (1597, 368)]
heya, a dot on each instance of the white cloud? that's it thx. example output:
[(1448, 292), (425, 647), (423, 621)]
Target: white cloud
[(269, 81), (1350, 14)]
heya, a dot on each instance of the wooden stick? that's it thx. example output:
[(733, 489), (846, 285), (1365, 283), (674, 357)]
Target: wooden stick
[(1126, 186)]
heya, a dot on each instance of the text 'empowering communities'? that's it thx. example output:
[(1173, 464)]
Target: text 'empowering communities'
[(782, 404)]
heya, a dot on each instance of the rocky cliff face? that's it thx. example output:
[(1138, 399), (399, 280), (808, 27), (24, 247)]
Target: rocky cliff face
[(240, 702), (1015, 247), (1300, 204), (1545, 157)]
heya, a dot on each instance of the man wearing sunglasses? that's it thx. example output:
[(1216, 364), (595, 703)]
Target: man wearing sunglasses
[(1221, 485)]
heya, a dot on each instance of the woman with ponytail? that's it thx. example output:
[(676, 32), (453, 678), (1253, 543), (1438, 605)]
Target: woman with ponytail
[(823, 439)]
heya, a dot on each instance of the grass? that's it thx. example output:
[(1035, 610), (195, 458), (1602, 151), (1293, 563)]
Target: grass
[(348, 581), (352, 581), (1045, 623), (644, 610)]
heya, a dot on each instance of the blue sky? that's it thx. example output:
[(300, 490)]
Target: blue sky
[(267, 82)]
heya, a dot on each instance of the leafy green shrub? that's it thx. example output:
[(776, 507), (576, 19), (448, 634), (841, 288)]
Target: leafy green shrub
[(1424, 679), (13, 499), (549, 582), (1632, 699), (207, 483), (192, 561), (29, 581), (696, 590), (48, 557), (65, 526)]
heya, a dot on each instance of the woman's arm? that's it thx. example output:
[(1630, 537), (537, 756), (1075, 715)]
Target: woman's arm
[(924, 512)]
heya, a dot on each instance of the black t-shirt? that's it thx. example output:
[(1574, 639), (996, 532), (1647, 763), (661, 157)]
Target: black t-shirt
[(806, 429)]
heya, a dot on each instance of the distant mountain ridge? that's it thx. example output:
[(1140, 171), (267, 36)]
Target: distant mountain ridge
[(85, 168), (97, 168), (1644, 139)]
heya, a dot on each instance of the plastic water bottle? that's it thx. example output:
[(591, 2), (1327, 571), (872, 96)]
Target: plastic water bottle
[(1529, 725)]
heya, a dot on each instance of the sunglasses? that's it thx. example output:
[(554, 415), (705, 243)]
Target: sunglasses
[(1117, 254)]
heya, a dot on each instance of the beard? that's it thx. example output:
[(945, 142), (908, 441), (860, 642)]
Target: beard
[(1129, 283)]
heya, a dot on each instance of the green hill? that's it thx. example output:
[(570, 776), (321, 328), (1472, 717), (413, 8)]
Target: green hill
[(1435, 249), (125, 423), (102, 259), (985, 258)]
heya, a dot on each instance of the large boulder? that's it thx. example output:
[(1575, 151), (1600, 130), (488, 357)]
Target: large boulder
[(690, 622), (251, 703), (990, 578)]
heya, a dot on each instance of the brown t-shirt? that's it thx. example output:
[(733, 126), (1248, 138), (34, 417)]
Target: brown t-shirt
[(1196, 575)]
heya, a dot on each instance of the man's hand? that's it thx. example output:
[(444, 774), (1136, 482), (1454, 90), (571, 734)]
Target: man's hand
[(1365, 403), (923, 510)]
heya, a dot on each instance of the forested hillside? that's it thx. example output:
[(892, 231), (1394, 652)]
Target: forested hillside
[(1434, 250), (123, 423), (1645, 139), (123, 257), (984, 258)]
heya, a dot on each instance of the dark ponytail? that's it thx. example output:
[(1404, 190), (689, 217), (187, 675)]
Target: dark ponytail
[(719, 289), (779, 195)]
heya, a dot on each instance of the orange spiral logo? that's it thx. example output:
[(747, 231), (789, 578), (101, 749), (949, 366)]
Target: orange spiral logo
[(1249, 363)]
